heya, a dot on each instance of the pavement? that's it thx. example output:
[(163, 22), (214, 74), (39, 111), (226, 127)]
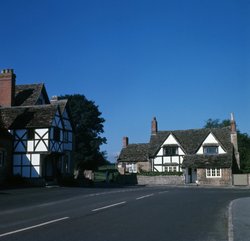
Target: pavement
[(239, 220)]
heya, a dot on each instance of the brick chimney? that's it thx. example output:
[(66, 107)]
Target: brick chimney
[(234, 139), (7, 87), (124, 141), (154, 126)]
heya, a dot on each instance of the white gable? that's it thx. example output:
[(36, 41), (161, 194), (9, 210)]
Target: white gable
[(211, 140), (171, 141)]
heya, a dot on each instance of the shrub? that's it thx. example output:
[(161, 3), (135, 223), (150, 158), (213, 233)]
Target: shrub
[(160, 173)]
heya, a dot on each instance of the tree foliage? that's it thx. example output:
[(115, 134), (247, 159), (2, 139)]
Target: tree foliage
[(88, 125), (210, 123), (243, 142)]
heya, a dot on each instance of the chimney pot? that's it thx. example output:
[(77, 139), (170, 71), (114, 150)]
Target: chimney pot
[(125, 141), (7, 87), (233, 124), (154, 126)]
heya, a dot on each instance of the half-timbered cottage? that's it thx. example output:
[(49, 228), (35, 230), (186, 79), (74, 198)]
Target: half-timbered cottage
[(41, 131), (206, 156)]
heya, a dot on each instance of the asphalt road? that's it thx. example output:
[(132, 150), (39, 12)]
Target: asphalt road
[(136, 213)]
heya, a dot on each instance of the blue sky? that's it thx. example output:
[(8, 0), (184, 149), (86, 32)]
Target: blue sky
[(181, 61)]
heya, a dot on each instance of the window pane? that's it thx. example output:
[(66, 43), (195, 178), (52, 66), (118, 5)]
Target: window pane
[(170, 150), (210, 150)]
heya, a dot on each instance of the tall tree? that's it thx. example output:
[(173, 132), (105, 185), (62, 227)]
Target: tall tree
[(243, 142), (88, 125)]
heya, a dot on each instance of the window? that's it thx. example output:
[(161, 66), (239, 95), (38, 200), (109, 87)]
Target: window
[(213, 172), (31, 134), (2, 158), (210, 150), (170, 150), (57, 133), (171, 169)]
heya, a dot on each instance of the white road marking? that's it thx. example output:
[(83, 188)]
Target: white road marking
[(150, 195), (230, 222), (32, 227), (109, 206)]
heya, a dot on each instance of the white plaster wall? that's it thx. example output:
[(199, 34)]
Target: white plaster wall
[(170, 140), (30, 146), (159, 168), (166, 159), (158, 160), (35, 159), (41, 133), (41, 147), (211, 140)]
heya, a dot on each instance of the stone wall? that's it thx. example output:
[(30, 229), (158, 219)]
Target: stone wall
[(241, 179), (225, 179), (160, 180), (144, 166)]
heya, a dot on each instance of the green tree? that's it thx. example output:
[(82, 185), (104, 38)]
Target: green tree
[(210, 123), (243, 142), (88, 125)]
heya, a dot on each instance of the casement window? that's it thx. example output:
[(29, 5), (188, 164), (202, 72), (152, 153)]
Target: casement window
[(57, 134), (170, 150), (213, 172), (131, 168), (210, 150), (170, 168), (31, 134), (2, 157)]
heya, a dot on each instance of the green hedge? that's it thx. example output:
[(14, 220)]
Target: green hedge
[(160, 173)]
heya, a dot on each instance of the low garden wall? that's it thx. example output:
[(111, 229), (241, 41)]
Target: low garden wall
[(160, 180)]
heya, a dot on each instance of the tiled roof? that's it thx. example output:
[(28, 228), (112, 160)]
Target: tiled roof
[(38, 116), (208, 161), (134, 153), (191, 139), (27, 95)]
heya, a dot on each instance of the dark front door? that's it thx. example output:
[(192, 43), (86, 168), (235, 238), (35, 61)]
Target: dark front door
[(51, 167)]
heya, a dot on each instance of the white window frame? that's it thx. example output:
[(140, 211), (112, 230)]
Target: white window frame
[(170, 168), (207, 150), (213, 172)]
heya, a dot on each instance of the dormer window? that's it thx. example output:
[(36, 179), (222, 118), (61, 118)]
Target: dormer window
[(170, 150), (210, 149)]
